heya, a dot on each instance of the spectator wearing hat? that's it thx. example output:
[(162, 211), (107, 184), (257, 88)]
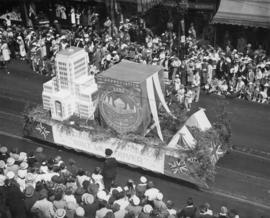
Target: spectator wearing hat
[(109, 170), (118, 212), (14, 198), (4, 153), (141, 187), (71, 209), (202, 212), (103, 209), (60, 213), (69, 196), (188, 211), (151, 191), (122, 200), (90, 205), (98, 178), (207, 209), (43, 207), (146, 211), (59, 202), (223, 212), (11, 166), (81, 177), (31, 196), (134, 206), (159, 204), (20, 179), (40, 155), (197, 86), (31, 159), (79, 213), (170, 208)]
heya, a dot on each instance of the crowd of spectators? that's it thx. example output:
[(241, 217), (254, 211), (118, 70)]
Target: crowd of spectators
[(191, 64), (35, 185)]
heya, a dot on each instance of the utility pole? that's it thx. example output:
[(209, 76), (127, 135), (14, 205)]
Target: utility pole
[(112, 12), (182, 6)]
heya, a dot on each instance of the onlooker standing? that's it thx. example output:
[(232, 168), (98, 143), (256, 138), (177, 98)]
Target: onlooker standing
[(188, 211), (197, 86), (109, 169)]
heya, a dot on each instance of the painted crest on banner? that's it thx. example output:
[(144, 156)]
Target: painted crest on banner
[(119, 109)]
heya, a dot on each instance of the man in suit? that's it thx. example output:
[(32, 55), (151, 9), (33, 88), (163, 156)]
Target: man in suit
[(109, 169)]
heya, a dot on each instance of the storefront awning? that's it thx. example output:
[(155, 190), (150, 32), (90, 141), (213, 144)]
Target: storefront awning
[(255, 13)]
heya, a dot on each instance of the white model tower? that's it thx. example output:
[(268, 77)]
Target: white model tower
[(73, 90)]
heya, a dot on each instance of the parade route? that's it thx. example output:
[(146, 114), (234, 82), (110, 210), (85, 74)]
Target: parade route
[(242, 181)]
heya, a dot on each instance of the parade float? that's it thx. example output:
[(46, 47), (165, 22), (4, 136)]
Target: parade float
[(124, 109)]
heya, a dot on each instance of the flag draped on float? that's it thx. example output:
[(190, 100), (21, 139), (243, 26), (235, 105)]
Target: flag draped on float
[(151, 82)]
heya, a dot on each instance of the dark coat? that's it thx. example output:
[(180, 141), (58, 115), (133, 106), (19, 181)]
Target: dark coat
[(90, 209), (110, 168), (15, 202), (187, 212)]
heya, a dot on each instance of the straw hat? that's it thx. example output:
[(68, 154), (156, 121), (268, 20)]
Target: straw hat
[(60, 213), (147, 208), (10, 175), (10, 161)]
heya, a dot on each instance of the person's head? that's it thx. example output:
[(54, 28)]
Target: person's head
[(43, 194), (108, 152), (81, 172), (97, 170), (150, 184), (58, 194)]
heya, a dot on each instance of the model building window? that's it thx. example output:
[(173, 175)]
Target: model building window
[(58, 108)]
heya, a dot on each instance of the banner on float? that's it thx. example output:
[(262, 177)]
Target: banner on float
[(129, 153), (166, 162)]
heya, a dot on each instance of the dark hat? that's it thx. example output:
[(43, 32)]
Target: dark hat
[(108, 152), (79, 191)]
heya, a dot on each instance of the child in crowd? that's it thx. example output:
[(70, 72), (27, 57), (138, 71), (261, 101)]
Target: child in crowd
[(181, 94), (188, 99)]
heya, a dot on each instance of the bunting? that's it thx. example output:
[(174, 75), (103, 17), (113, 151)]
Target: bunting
[(153, 106)]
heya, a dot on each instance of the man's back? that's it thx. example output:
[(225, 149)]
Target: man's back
[(110, 168)]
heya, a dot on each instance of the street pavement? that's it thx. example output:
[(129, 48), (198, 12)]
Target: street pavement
[(242, 176)]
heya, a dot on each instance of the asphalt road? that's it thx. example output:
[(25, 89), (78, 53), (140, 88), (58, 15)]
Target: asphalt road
[(239, 174)]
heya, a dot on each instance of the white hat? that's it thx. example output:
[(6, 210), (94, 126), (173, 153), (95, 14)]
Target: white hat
[(24, 165), (10, 175), (135, 200), (147, 208), (159, 196), (2, 180), (22, 156), (60, 213), (10, 161), (143, 179), (80, 211), (228, 60), (119, 189), (22, 174), (87, 198), (101, 195)]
